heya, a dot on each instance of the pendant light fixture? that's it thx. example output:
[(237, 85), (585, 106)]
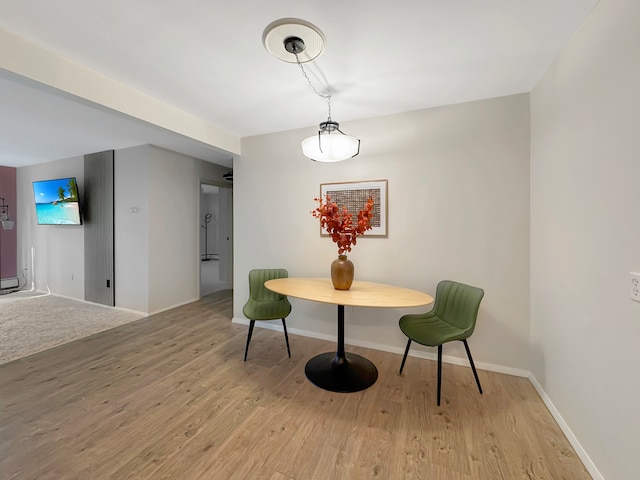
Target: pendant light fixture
[(330, 144)]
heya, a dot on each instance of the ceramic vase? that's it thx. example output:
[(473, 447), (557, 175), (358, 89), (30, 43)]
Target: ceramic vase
[(342, 273)]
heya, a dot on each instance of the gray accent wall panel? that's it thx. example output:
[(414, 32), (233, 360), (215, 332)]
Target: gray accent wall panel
[(98, 228)]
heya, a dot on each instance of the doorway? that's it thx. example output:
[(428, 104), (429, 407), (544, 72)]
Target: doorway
[(216, 241)]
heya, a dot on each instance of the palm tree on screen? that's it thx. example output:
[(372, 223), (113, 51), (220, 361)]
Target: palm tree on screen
[(73, 189), (61, 193)]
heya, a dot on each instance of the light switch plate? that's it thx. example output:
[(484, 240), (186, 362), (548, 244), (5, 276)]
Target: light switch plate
[(635, 286)]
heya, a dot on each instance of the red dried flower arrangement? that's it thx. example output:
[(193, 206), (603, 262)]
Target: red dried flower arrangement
[(339, 223)]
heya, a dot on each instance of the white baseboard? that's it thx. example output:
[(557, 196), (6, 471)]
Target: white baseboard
[(128, 310), (573, 440), (144, 314), (164, 309), (278, 326), (387, 348), (155, 312), (582, 454), (9, 283), (82, 300)]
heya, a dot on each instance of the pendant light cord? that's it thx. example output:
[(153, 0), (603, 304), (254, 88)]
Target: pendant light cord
[(326, 96)]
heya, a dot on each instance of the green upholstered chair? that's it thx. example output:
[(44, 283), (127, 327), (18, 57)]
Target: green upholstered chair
[(263, 304), (453, 317)]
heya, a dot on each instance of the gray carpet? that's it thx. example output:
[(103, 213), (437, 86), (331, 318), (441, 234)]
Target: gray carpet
[(31, 322)]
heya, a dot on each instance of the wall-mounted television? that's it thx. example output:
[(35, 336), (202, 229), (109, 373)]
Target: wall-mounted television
[(57, 202)]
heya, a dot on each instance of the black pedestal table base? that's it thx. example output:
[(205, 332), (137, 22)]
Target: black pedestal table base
[(340, 371), (350, 374)]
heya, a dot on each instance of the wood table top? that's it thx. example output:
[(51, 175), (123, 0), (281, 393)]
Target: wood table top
[(361, 294)]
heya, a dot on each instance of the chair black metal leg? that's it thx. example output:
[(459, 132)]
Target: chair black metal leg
[(473, 367), (404, 359), (286, 337), (439, 372), (246, 349)]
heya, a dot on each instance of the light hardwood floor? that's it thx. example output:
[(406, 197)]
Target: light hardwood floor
[(170, 397)]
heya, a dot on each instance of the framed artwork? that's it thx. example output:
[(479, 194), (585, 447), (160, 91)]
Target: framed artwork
[(354, 195)]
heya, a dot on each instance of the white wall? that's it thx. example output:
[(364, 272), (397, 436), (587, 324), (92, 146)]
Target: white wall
[(131, 228), (174, 226), (156, 258), (174, 197), (458, 209), (53, 254), (585, 235)]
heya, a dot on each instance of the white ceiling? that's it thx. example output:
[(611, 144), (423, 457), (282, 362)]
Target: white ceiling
[(206, 57)]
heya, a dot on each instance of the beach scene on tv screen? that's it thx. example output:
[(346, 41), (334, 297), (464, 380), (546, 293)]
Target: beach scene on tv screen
[(57, 202)]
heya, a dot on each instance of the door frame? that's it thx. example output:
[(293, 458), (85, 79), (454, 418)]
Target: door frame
[(228, 251)]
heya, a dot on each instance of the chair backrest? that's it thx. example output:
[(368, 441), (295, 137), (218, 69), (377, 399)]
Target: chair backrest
[(458, 304), (257, 290)]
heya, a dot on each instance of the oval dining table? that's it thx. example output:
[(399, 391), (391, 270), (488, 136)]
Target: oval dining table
[(341, 371)]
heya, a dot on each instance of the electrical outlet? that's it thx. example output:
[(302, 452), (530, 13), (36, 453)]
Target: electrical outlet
[(635, 286), (353, 310)]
